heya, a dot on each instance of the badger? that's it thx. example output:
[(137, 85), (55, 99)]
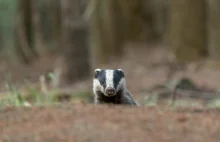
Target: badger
[(109, 87)]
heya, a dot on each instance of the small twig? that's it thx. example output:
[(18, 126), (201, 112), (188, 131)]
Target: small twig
[(43, 86), (174, 95)]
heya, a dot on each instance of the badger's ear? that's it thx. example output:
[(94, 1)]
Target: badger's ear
[(121, 72), (96, 72)]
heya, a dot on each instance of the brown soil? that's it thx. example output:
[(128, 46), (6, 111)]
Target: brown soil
[(90, 123)]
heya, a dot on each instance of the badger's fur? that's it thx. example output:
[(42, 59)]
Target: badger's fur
[(109, 86)]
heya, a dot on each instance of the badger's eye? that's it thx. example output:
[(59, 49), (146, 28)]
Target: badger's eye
[(102, 82)]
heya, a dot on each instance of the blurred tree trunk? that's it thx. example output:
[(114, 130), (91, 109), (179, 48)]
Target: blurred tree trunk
[(56, 21), (23, 31), (155, 17), (188, 29), (8, 16), (74, 39), (37, 33), (106, 30), (214, 29)]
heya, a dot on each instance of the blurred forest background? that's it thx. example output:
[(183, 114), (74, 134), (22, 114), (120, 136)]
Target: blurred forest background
[(65, 40), (168, 49)]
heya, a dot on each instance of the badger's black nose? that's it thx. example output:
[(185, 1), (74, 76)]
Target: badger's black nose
[(110, 91)]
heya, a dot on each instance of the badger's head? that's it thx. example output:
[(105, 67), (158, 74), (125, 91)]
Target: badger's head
[(108, 81)]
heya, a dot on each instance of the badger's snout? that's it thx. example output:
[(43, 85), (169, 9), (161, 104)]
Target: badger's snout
[(110, 91)]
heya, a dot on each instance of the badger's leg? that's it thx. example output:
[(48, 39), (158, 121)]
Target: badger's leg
[(130, 99), (96, 100)]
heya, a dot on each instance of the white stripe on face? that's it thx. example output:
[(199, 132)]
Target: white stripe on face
[(109, 78), (97, 86)]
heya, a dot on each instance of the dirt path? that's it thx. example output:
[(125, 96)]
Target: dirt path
[(89, 123)]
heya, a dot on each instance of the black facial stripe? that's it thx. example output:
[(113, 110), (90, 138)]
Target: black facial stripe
[(118, 75), (102, 78)]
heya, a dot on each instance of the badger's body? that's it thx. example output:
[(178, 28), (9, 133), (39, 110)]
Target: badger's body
[(109, 86)]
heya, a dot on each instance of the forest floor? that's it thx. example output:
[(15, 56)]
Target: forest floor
[(82, 121), (89, 123)]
